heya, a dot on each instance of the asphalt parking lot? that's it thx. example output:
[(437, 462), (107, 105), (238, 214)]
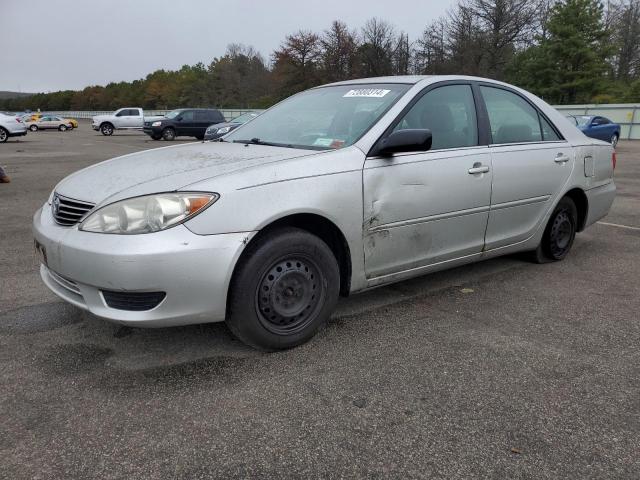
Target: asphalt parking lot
[(502, 369)]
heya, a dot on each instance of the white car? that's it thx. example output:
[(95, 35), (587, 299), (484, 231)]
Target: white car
[(11, 126), (336, 190)]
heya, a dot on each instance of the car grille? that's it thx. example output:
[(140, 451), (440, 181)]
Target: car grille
[(133, 301), (67, 211)]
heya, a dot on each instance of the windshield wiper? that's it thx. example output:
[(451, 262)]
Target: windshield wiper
[(257, 141)]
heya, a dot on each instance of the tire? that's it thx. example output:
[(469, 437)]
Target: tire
[(106, 129), (614, 140), (33, 128), (284, 288), (62, 128), (4, 135), (169, 134), (559, 233)]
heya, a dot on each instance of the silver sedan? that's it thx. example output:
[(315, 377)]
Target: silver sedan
[(336, 190)]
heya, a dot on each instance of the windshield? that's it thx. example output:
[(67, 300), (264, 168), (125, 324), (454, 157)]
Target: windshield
[(321, 118), (173, 114), (582, 121), (245, 117)]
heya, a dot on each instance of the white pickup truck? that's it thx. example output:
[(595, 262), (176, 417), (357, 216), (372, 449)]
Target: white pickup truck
[(127, 118)]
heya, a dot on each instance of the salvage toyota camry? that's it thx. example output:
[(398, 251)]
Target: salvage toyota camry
[(336, 190)]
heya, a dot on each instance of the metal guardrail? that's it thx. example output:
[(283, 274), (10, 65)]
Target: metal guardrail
[(625, 114), (229, 113)]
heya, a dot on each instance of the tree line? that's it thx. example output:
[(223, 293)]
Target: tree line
[(566, 51)]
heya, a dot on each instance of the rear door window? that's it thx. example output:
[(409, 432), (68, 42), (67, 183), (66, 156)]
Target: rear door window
[(512, 119)]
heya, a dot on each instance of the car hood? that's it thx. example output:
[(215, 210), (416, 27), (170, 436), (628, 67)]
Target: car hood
[(167, 169)]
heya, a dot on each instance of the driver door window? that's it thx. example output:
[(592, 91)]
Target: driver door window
[(449, 112)]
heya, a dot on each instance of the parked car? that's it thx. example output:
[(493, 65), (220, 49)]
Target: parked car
[(11, 126), (336, 190), (217, 130), (598, 127), (47, 122), (123, 119), (187, 122)]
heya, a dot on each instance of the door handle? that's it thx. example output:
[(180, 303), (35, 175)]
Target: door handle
[(561, 158), (478, 168)]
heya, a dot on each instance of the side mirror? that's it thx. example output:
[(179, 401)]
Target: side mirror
[(410, 140)]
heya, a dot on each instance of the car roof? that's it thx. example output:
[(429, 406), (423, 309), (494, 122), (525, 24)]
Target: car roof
[(415, 79)]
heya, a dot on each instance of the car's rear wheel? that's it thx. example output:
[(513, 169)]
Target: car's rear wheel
[(169, 134), (62, 128), (614, 140), (283, 290), (106, 129), (4, 135), (559, 233), (33, 128)]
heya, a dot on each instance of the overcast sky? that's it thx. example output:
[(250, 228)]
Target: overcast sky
[(53, 45)]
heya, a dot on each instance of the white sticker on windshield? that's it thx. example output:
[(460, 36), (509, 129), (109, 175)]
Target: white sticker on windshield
[(367, 92)]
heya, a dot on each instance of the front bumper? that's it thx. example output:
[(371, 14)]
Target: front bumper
[(193, 270), (151, 131)]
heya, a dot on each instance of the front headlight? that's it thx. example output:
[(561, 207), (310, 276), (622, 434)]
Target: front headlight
[(211, 130), (147, 214), (224, 130), (156, 124)]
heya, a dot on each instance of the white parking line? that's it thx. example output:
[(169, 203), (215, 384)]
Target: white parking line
[(628, 227)]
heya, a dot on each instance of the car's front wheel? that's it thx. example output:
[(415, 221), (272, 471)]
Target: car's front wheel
[(169, 134), (62, 128), (106, 129), (559, 233), (284, 288), (33, 128), (614, 140)]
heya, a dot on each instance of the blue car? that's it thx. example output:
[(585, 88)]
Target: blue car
[(598, 127)]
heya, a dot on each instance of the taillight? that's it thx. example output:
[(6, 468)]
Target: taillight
[(613, 160), (18, 120)]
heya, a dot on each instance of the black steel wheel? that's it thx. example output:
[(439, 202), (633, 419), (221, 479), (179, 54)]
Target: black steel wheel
[(283, 289), (289, 294), (559, 234)]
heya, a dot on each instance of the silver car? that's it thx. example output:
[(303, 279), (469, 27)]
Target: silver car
[(49, 122), (336, 190)]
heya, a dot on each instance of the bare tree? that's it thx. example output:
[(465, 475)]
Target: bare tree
[(339, 52), (378, 47), (624, 19), (296, 62), (402, 55), (505, 25), (431, 55)]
